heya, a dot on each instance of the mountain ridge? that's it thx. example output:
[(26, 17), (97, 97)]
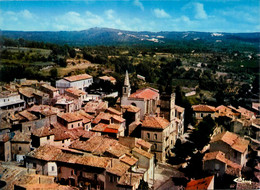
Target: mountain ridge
[(110, 36)]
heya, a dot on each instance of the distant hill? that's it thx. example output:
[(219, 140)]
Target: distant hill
[(108, 36)]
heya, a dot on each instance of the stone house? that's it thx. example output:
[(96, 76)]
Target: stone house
[(20, 146), (80, 82), (234, 147), (42, 137), (132, 116), (94, 107), (146, 99), (145, 163), (11, 101), (5, 148), (216, 163), (179, 120), (70, 120), (52, 91), (76, 93), (159, 132), (201, 111)]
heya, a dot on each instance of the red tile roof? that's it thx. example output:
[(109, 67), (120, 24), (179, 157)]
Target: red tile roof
[(117, 168), (143, 152), (29, 116), (155, 122), (146, 93), (203, 108), (70, 117), (200, 183), (75, 91), (237, 143), (101, 116), (77, 77), (218, 155), (114, 111), (131, 108), (130, 160), (179, 108), (43, 132)]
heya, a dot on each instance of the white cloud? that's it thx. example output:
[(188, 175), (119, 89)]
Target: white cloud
[(200, 13), (26, 14), (138, 4), (94, 19), (109, 13), (160, 13)]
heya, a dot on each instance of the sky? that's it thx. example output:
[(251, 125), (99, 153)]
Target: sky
[(134, 15)]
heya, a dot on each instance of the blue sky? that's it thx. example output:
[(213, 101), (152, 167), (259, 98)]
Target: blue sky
[(138, 15)]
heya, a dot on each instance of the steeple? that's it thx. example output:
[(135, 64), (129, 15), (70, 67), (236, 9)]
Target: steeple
[(126, 83), (126, 87)]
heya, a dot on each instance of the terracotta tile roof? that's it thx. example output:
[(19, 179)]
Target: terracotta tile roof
[(118, 150), (146, 93), (60, 132), (89, 134), (143, 152), (70, 117), (247, 113), (102, 116), (218, 155), (4, 125), (113, 111), (43, 132), (99, 127), (200, 183), (44, 110), (155, 122), (21, 137), (117, 168), (83, 113), (77, 77), (112, 128), (130, 160), (27, 91), (75, 91), (203, 108), (96, 145), (49, 87), (143, 143), (131, 108), (118, 118), (100, 162), (237, 143), (94, 106), (130, 179), (109, 78), (46, 152), (179, 108), (29, 116), (4, 138)]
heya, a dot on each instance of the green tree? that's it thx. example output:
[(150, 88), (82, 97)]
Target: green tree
[(54, 73)]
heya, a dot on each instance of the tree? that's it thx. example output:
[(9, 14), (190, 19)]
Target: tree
[(143, 185), (201, 135), (54, 73), (72, 53)]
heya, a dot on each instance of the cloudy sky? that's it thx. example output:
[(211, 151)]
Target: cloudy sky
[(138, 15)]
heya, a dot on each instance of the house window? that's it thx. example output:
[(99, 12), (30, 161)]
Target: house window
[(72, 126), (78, 124), (29, 128), (201, 115), (20, 148), (155, 146), (52, 168), (155, 136), (111, 178), (34, 165), (62, 141), (72, 172), (148, 135), (217, 166), (48, 137)]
